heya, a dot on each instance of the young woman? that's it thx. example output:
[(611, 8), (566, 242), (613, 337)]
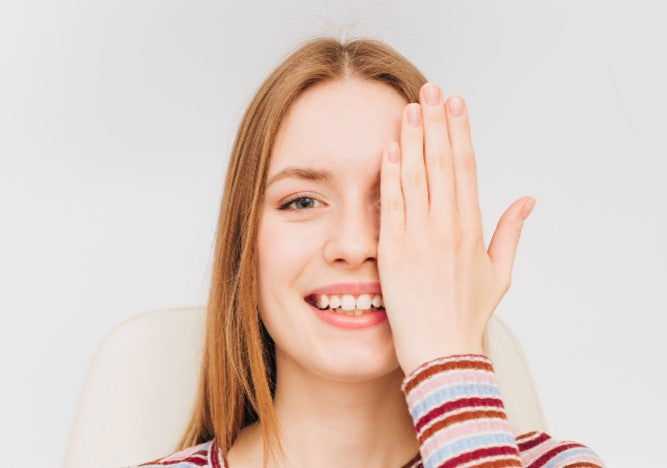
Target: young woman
[(351, 287)]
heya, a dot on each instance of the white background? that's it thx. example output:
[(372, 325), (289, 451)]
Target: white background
[(116, 121)]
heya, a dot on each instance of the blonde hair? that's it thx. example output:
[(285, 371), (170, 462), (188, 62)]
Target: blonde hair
[(237, 375)]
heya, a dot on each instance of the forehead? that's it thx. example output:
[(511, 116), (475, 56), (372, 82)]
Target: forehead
[(338, 125)]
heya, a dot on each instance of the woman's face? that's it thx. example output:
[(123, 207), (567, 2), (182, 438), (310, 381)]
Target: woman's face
[(331, 235)]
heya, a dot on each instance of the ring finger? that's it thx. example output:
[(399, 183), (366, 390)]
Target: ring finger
[(438, 156)]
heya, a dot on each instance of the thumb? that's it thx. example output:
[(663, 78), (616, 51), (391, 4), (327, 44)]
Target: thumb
[(502, 248)]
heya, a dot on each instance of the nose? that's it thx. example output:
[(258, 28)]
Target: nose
[(354, 235)]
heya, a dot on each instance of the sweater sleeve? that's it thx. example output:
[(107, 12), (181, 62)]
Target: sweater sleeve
[(204, 455), (459, 418)]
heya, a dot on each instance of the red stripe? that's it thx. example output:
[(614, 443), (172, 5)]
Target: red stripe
[(499, 463), (552, 453), (583, 465), (453, 405), (523, 446), (481, 453), (194, 460), (215, 463)]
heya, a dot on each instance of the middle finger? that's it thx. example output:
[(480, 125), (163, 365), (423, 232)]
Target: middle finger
[(438, 156)]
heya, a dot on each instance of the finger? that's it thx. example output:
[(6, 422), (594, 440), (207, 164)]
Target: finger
[(392, 211), (503, 245), (465, 166), (438, 156), (413, 172)]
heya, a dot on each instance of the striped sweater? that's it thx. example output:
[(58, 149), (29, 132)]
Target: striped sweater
[(459, 420)]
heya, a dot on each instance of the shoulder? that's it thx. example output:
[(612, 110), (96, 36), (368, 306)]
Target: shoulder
[(537, 448), (204, 455)]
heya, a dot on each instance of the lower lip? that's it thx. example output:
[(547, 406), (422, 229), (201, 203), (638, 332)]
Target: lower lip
[(340, 320)]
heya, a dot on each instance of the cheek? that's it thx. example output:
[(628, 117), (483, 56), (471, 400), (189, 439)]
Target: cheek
[(287, 254), (285, 249)]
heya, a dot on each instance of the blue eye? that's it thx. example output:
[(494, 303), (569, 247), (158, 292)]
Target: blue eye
[(296, 200)]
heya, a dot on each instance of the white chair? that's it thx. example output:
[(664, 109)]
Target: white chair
[(139, 388)]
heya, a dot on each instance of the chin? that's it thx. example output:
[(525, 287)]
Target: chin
[(353, 365)]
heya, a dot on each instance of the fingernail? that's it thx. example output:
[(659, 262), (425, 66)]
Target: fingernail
[(455, 105), (527, 208), (414, 115)]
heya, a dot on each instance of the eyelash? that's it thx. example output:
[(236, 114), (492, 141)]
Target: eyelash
[(292, 200), (297, 198)]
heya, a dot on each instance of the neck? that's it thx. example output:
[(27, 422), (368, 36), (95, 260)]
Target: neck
[(337, 423)]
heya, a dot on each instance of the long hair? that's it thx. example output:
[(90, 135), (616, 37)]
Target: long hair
[(237, 375)]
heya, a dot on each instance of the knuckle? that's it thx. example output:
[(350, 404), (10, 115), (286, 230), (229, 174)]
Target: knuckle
[(414, 178), (390, 204), (434, 114), (440, 158), (395, 205), (443, 162), (468, 162)]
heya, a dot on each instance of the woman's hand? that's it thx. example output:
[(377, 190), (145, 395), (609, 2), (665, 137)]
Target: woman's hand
[(440, 285)]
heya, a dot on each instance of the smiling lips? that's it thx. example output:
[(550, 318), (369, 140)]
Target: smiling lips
[(347, 303), (352, 288)]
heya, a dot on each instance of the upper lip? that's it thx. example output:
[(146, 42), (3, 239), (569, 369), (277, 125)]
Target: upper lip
[(359, 287)]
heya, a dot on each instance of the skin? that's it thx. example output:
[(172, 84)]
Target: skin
[(338, 397)]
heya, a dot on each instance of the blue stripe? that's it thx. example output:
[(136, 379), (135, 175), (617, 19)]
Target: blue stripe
[(468, 444), (451, 393), (553, 463)]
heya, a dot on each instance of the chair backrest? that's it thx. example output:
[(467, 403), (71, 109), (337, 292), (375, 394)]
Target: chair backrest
[(140, 385)]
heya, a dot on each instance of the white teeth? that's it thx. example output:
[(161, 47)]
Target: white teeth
[(364, 302), (347, 304), (334, 301), (323, 301)]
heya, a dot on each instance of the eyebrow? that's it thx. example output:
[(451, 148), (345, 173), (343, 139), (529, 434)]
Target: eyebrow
[(305, 173)]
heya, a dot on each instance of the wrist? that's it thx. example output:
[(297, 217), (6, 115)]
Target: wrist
[(452, 362), (414, 361)]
